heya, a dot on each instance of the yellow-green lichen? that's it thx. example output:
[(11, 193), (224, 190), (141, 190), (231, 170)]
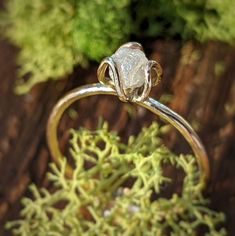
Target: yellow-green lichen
[(116, 190)]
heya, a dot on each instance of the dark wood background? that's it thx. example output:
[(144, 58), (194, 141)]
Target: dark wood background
[(200, 80)]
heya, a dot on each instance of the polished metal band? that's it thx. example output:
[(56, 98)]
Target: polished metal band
[(152, 105)]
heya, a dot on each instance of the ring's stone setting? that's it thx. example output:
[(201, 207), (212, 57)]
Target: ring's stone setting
[(131, 64), (130, 73)]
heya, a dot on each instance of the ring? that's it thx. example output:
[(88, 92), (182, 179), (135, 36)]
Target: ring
[(129, 75)]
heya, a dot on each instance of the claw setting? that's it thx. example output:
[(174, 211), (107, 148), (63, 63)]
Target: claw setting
[(130, 72)]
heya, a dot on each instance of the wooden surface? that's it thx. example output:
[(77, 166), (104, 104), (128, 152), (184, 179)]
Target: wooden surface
[(200, 80)]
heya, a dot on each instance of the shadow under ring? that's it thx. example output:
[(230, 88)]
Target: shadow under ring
[(150, 104)]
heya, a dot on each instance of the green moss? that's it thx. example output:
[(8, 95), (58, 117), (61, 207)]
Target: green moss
[(54, 36), (101, 26), (43, 30), (200, 19), (112, 188)]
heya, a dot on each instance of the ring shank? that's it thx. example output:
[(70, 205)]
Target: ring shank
[(152, 105)]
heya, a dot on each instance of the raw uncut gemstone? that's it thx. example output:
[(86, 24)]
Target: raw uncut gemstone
[(131, 65)]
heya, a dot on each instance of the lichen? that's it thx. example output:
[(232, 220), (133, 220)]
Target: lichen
[(116, 189)]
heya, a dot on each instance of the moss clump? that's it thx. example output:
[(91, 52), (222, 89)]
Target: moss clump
[(54, 36), (101, 26), (200, 19), (111, 192)]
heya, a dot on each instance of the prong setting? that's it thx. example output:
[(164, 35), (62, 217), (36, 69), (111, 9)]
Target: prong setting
[(130, 72)]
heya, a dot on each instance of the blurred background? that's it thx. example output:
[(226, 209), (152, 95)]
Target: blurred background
[(50, 47)]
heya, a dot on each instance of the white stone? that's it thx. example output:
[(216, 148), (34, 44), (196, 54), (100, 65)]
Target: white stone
[(131, 65), (133, 209)]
